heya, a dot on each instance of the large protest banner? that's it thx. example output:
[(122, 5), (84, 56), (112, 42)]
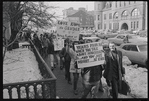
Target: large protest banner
[(68, 29), (89, 54), (58, 44)]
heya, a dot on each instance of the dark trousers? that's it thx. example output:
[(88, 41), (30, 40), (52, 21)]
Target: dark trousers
[(55, 57), (114, 84), (67, 73), (75, 80)]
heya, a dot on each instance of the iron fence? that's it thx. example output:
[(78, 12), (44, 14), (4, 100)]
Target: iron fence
[(41, 89)]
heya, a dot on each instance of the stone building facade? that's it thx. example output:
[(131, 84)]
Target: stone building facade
[(120, 15)]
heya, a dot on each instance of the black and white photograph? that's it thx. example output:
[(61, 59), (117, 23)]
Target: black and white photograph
[(75, 50)]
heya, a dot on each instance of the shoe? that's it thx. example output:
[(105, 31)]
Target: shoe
[(69, 82), (76, 92)]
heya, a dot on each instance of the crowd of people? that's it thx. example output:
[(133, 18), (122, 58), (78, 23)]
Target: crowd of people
[(91, 76)]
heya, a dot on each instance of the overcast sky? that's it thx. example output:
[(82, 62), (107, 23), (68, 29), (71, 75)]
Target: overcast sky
[(65, 5)]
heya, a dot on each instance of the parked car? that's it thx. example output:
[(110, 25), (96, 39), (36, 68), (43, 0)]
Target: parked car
[(92, 38), (106, 36), (136, 52), (120, 38)]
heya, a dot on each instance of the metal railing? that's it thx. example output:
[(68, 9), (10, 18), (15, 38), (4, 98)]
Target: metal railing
[(47, 89)]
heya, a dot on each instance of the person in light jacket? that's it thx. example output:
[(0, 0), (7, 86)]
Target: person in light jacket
[(73, 65)]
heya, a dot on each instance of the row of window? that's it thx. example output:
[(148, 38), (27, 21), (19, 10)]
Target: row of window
[(134, 25), (135, 13), (116, 4), (115, 26), (122, 2)]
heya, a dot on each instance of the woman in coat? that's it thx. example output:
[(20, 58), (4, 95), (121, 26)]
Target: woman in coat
[(73, 65)]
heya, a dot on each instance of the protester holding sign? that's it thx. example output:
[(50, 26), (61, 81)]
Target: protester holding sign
[(90, 79), (73, 65), (68, 29)]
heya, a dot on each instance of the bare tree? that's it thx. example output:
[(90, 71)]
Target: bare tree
[(20, 14)]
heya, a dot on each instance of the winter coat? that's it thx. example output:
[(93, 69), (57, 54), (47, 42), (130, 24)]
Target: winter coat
[(108, 70), (65, 54), (37, 43), (73, 56), (46, 42), (51, 48)]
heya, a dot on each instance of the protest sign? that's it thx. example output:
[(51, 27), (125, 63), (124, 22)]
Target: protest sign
[(58, 44), (89, 54), (69, 29)]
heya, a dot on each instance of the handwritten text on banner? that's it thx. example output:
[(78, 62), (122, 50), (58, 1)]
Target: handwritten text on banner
[(89, 54), (68, 29)]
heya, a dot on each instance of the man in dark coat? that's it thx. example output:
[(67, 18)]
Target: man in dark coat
[(114, 72), (66, 59)]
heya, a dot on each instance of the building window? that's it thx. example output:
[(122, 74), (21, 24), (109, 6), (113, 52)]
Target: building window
[(115, 15), (104, 26), (124, 3), (110, 26), (135, 13), (120, 3), (115, 26), (98, 6), (131, 25), (134, 25), (116, 4), (124, 14), (129, 2), (110, 4), (104, 16), (98, 17), (99, 26), (137, 24), (110, 16)]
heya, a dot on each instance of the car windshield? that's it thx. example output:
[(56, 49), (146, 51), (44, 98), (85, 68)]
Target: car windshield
[(142, 48)]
